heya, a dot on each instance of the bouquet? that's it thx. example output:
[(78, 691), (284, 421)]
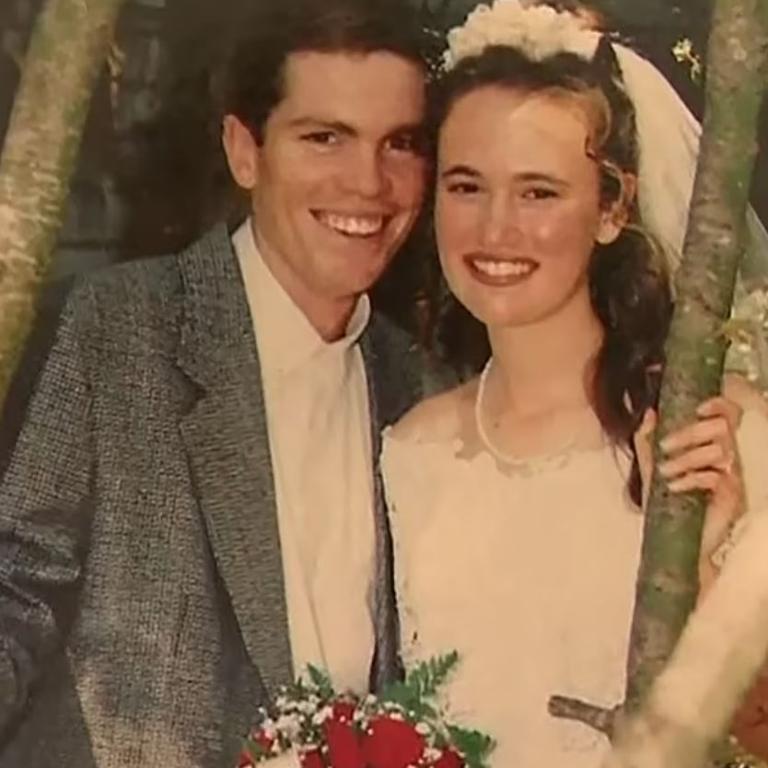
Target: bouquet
[(401, 727)]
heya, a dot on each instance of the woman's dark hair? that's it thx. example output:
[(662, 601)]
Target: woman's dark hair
[(273, 29), (629, 287)]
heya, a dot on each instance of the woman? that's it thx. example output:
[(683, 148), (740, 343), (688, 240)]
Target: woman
[(515, 499)]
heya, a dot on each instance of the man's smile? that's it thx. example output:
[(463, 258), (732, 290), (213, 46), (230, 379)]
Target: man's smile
[(352, 225)]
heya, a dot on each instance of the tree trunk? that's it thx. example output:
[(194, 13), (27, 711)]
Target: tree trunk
[(737, 68), (736, 76), (66, 51)]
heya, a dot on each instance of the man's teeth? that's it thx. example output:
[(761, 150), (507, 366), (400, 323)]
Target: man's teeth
[(503, 268), (353, 225)]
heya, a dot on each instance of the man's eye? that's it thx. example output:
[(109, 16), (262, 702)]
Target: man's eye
[(325, 138), (407, 141)]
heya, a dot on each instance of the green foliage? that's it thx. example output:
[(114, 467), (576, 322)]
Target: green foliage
[(420, 686), (475, 746), (321, 681)]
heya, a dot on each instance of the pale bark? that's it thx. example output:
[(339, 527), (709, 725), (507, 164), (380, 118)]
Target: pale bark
[(67, 48)]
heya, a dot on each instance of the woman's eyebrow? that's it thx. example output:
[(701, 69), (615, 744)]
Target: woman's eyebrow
[(460, 170)]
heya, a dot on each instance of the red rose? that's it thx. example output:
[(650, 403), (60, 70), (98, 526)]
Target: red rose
[(449, 759), (343, 745), (392, 743), (311, 759), (264, 741), (344, 710), (262, 746)]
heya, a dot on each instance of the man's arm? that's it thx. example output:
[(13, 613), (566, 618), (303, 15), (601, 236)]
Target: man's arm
[(44, 515)]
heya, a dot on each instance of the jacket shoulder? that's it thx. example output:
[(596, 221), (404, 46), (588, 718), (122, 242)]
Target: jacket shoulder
[(405, 371)]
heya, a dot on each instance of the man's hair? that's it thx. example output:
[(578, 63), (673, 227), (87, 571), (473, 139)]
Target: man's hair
[(274, 29)]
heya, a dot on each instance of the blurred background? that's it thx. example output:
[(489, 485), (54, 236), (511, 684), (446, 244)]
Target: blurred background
[(151, 175)]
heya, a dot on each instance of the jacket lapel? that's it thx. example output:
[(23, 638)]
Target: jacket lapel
[(225, 435), (386, 665)]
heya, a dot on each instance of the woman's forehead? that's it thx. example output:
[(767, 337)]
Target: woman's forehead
[(495, 120)]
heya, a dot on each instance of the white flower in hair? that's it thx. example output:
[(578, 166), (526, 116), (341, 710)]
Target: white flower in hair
[(538, 31)]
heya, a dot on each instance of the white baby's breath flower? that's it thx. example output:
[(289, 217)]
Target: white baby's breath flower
[(323, 714), (289, 725)]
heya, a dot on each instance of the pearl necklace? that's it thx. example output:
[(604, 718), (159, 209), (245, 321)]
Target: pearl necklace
[(529, 463)]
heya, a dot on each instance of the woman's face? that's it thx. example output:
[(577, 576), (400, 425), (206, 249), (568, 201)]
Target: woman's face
[(518, 204)]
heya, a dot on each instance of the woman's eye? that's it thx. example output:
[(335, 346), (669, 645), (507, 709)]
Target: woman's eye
[(463, 187), (539, 193)]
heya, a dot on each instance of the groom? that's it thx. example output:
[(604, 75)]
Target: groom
[(191, 512)]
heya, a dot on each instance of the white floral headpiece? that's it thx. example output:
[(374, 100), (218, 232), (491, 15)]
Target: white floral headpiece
[(539, 31)]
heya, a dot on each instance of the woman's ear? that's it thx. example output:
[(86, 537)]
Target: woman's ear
[(241, 150), (615, 216)]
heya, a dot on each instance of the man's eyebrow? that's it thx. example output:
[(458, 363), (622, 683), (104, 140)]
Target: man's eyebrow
[(419, 128), (318, 123)]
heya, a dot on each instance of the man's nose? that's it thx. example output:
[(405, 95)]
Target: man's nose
[(366, 174)]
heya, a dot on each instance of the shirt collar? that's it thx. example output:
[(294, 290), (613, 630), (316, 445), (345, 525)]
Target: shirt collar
[(286, 339)]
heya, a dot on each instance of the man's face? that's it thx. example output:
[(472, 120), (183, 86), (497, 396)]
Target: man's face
[(339, 178)]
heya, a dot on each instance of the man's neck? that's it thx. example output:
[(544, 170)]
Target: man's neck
[(328, 316), (329, 319)]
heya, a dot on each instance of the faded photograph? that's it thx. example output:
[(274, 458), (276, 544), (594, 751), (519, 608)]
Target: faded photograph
[(390, 387)]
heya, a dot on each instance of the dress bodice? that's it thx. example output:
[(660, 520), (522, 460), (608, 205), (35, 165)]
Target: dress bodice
[(530, 575)]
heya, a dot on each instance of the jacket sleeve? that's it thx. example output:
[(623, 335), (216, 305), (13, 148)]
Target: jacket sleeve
[(45, 514)]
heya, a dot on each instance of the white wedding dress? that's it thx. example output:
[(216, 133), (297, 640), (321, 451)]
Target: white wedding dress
[(529, 573)]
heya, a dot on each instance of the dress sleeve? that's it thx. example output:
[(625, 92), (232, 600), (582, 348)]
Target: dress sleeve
[(752, 440), (750, 725)]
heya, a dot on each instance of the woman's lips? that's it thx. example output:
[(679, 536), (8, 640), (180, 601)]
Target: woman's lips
[(500, 272)]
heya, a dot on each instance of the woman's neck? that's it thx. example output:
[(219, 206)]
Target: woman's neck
[(546, 365)]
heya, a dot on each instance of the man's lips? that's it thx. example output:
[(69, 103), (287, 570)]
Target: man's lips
[(500, 272), (352, 224)]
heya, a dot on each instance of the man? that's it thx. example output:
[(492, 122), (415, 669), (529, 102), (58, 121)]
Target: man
[(191, 511)]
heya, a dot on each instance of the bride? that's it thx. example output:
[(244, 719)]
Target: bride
[(515, 499)]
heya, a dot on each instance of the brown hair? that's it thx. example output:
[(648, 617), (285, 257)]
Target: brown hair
[(276, 28)]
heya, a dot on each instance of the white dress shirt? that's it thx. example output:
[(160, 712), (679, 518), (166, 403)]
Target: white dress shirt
[(318, 420)]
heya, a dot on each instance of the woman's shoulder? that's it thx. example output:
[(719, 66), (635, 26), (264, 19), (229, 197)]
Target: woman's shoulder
[(440, 418)]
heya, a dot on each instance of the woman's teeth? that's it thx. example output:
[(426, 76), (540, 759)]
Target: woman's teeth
[(495, 268)]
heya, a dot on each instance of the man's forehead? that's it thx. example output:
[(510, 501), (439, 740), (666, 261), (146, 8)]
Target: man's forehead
[(327, 73)]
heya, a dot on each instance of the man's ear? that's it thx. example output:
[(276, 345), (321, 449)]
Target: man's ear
[(241, 150), (615, 216)]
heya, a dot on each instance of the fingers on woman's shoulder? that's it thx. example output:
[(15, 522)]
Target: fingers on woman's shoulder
[(740, 391), (437, 418)]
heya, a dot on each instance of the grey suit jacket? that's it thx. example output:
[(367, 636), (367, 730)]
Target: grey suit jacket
[(142, 610)]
